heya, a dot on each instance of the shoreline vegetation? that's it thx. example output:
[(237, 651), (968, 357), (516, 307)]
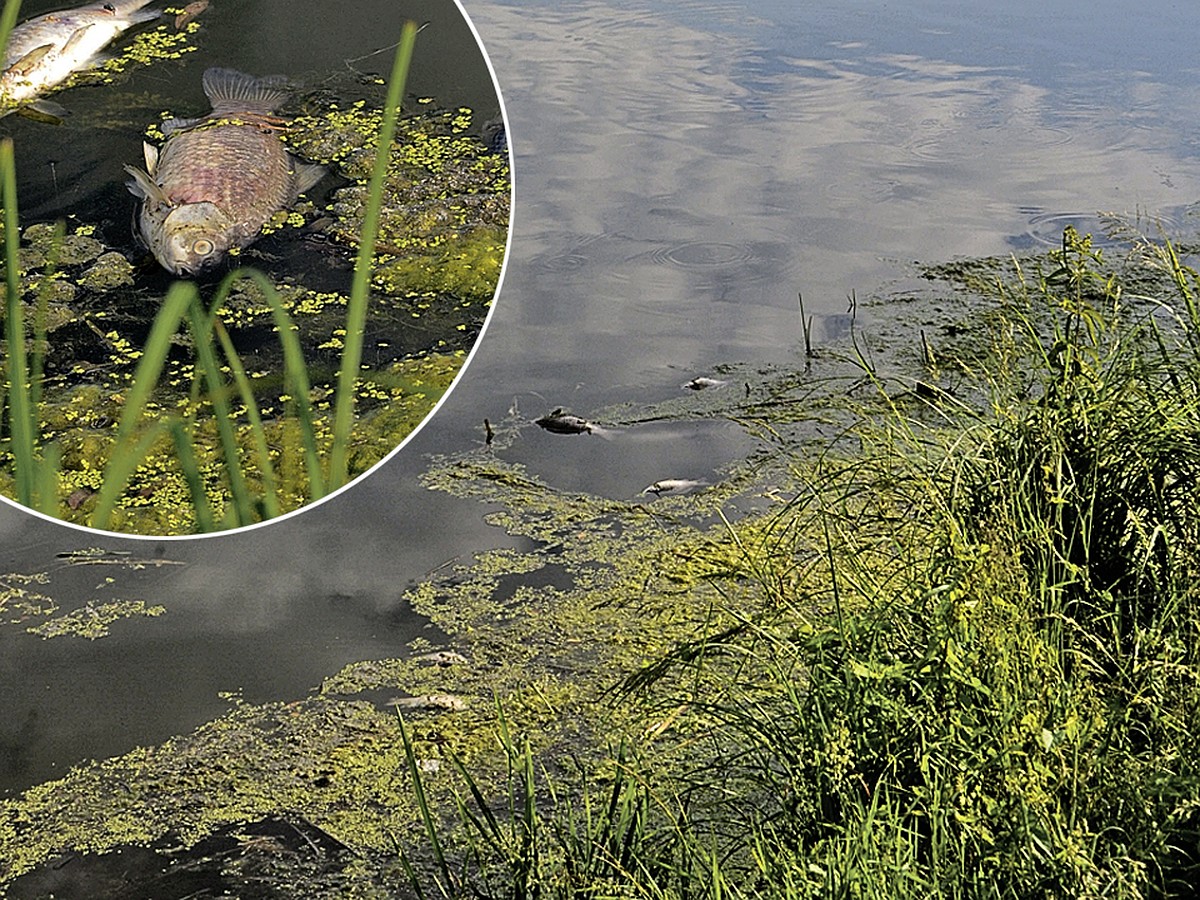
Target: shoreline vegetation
[(938, 638)]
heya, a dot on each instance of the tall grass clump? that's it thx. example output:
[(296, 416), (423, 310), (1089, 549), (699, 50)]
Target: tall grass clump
[(964, 659), (987, 685), (553, 835)]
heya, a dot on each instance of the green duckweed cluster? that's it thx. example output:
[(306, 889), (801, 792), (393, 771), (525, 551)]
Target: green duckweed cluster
[(446, 198), (92, 621), (146, 48), (27, 602)]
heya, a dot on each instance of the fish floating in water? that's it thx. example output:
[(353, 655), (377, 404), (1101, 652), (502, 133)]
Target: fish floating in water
[(218, 179), (674, 486), (703, 383), (562, 422), (45, 51)]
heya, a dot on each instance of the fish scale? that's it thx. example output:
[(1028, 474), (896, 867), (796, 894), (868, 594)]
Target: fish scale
[(218, 179), (244, 171)]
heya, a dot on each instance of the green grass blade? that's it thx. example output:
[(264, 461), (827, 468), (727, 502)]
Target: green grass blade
[(191, 472), (296, 380), (46, 475), (487, 826), (206, 361), (46, 480), (22, 417), (423, 804), (41, 314), (121, 467), (8, 19), (124, 461), (360, 291), (270, 499)]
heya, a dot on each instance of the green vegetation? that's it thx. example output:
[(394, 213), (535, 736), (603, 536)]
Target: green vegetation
[(27, 599), (961, 661), (953, 653), (183, 429)]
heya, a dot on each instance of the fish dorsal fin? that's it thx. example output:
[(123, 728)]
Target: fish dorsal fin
[(150, 154), (230, 91), (73, 41), (26, 63), (145, 187), (305, 175)]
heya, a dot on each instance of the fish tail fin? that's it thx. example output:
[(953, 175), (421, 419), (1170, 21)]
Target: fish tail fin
[(305, 175), (230, 91)]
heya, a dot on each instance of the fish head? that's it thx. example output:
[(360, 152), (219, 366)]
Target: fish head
[(191, 238)]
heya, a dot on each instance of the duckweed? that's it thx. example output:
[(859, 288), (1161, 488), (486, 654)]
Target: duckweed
[(93, 620), (442, 243)]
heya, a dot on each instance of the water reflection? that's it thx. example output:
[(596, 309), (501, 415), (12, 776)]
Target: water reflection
[(682, 170), (842, 142)]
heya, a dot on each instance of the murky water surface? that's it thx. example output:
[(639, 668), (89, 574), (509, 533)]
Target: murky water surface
[(683, 169)]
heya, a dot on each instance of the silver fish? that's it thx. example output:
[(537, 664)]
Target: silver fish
[(674, 486), (218, 179), (45, 51)]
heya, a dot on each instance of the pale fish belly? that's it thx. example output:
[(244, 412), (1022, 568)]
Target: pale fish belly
[(240, 168)]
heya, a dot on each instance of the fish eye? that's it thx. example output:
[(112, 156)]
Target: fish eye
[(110, 7), (202, 247)]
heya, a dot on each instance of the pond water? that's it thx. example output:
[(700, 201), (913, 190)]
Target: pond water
[(682, 170)]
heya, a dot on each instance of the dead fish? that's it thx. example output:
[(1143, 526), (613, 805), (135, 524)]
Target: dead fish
[(674, 486), (703, 383), (218, 179), (562, 422), (443, 658), (45, 51), (430, 701)]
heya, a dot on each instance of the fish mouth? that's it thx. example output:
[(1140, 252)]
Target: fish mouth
[(182, 267)]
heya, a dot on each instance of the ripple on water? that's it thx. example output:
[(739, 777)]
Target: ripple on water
[(1108, 230), (705, 254), (945, 143), (746, 272), (578, 255)]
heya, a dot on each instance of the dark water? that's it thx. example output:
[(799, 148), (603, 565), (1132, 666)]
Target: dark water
[(682, 170), (77, 166)]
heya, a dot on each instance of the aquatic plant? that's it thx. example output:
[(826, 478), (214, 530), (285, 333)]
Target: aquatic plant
[(962, 661), (219, 455)]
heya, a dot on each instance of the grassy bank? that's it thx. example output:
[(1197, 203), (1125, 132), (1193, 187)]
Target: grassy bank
[(941, 644), (960, 661)]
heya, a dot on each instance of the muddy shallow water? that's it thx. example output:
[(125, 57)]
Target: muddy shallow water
[(682, 171)]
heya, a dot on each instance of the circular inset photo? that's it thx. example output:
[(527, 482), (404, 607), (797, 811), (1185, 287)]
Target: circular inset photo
[(248, 248)]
